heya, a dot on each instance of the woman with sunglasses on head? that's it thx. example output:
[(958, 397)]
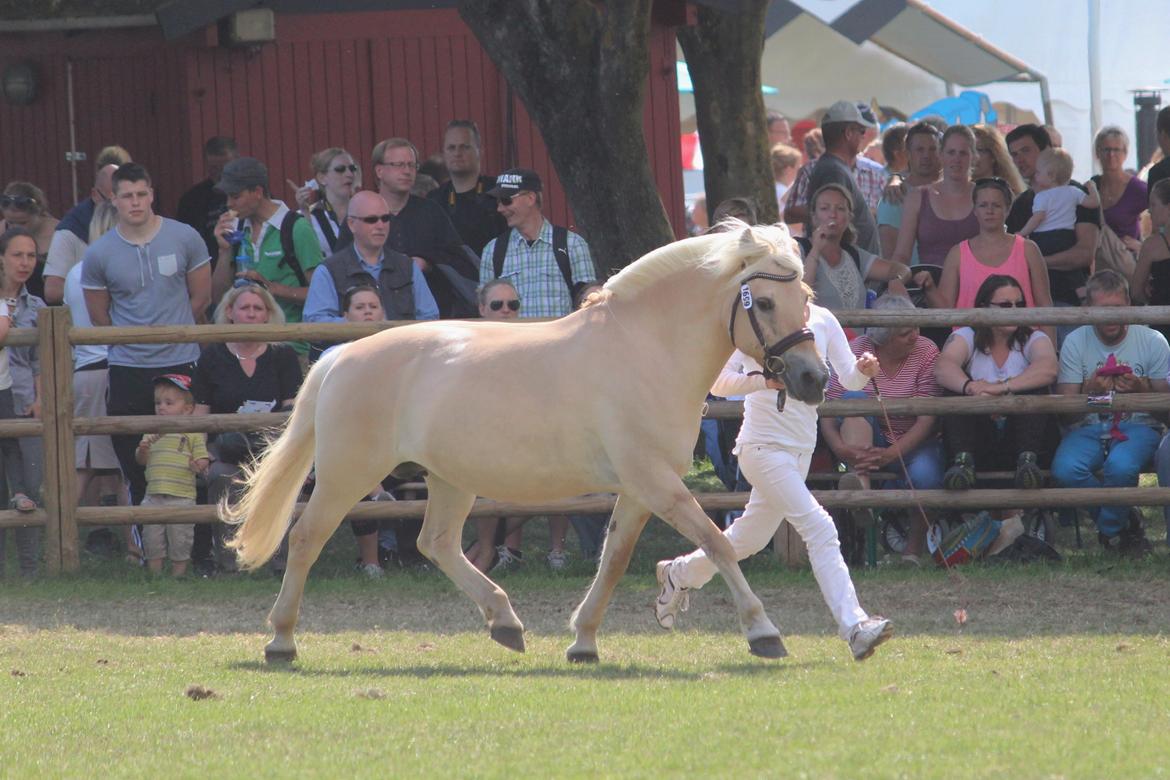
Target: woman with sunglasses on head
[(990, 361), (325, 199), (239, 377), (23, 205)]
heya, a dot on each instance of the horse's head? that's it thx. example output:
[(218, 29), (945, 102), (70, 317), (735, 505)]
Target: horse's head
[(770, 313)]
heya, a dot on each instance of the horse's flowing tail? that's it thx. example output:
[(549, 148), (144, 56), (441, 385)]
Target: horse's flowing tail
[(271, 484)]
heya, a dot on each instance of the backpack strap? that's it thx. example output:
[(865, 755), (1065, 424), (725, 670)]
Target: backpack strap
[(561, 253), (804, 243), (326, 228), (500, 251), (288, 249)]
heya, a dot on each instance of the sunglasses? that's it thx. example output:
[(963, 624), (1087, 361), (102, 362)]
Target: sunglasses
[(507, 199), (22, 202), (990, 180), (1008, 304), (243, 281), (373, 219), (343, 168), (513, 305)]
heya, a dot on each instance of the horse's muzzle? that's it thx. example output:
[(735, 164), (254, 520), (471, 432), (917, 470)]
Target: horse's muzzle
[(805, 377)]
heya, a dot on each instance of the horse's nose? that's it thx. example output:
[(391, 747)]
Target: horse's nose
[(815, 377)]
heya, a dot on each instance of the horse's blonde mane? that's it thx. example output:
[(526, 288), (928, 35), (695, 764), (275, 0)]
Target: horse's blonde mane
[(727, 254)]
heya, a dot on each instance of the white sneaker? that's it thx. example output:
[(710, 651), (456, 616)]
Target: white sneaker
[(671, 598), (373, 571), (558, 560), (867, 635), (505, 559)]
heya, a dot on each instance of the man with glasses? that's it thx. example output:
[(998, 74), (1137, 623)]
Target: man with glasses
[(420, 229), (844, 127), (264, 240), (400, 283), (71, 238), (547, 265), (464, 196), (1068, 269)]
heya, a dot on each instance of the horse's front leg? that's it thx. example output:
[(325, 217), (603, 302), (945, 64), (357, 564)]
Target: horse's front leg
[(439, 540), (670, 500), (625, 526)]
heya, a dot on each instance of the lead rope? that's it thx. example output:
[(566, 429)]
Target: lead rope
[(955, 576)]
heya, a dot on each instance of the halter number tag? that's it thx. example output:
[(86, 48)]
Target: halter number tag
[(745, 295)]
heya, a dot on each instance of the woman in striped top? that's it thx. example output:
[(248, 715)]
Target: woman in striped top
[(906, 360)]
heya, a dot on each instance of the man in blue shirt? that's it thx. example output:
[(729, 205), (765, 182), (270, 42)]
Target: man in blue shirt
[(401, 284)]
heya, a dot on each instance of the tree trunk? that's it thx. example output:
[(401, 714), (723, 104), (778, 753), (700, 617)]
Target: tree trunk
[(723, 54), (581, 67)]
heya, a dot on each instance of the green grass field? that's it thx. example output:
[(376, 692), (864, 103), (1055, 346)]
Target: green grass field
[(1059, 672)]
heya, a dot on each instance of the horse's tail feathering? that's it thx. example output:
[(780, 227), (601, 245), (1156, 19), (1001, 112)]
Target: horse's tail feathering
[(272, 482)]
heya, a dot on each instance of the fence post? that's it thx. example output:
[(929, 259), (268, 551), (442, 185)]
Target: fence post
[(60, 490)]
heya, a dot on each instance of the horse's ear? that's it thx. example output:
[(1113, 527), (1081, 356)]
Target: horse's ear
[(748, 245)]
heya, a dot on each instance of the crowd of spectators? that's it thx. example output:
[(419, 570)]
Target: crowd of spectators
[(477, 245), (924, 215), (969, 218)]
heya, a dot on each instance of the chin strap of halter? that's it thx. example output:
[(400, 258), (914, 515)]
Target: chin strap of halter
[(773, 363)]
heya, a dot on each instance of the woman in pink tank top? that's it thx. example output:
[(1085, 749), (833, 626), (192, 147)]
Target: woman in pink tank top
[(992, 251)]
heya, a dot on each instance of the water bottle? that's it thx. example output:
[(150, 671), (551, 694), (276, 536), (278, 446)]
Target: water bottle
[(870, 297)]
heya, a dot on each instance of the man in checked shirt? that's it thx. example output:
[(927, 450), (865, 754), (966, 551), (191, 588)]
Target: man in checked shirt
[(548, 265)]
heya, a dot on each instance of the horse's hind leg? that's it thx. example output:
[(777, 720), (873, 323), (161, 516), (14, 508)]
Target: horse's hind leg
[(625, 526), (324, 512), (439, 540), (669, 498)]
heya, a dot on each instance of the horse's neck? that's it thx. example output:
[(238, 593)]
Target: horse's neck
[(686, 317)]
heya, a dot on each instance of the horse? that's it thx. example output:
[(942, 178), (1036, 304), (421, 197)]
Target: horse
[(605, 400)]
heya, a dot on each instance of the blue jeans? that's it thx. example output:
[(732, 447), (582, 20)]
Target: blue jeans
[(1082, 451), (924, 464)]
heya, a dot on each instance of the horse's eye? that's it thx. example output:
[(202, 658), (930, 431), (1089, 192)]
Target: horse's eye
[(765, 304)]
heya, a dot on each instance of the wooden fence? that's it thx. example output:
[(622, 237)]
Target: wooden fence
[(60, 516)]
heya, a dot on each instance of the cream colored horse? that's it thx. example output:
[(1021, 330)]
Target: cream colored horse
[(607, 399)]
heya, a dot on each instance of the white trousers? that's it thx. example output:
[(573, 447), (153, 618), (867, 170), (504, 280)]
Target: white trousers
[(779, 493)]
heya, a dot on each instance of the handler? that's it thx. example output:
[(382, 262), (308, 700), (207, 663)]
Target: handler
[(775, 448)]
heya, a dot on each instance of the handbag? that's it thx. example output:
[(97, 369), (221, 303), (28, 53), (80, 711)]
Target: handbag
[(1111, 252)]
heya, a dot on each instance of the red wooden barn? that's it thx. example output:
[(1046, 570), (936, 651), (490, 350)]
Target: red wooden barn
[(348, 77)]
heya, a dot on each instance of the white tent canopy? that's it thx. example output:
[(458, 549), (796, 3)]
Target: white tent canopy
[(902, 53)]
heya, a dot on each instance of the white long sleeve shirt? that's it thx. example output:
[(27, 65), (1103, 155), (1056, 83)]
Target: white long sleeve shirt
[(796, 426)]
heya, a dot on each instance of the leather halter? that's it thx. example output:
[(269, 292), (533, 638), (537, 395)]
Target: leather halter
[(773, 363)]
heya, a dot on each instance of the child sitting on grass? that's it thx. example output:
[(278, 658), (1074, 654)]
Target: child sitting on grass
[(1054, 211), (172, 460)]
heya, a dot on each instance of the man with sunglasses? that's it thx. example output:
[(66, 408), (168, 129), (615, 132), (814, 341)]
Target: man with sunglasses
[(263, 239), (464, 197), (420, 229), (547, 265), (400, 283)]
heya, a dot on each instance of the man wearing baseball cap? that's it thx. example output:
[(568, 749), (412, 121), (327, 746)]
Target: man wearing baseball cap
[(844, 126), (546, 264), (263, 240)]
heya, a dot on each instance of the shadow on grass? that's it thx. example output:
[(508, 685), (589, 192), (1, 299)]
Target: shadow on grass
[(599, 671)]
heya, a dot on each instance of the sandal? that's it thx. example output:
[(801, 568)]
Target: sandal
[(22, 503)]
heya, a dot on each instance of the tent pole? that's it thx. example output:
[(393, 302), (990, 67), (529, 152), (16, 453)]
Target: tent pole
[(1094, 69)]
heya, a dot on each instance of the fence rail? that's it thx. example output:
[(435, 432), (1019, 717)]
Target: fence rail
[(54, 337)]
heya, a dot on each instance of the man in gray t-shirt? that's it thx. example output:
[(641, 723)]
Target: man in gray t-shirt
[(147, 271), (844, 126)]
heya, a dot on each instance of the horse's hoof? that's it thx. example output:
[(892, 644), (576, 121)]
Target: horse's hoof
[(280, 656), (581, 656), (767, 647), (511, 638)]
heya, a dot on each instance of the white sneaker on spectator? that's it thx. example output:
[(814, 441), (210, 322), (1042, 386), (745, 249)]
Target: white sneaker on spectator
[(373, 571), (867, 635), (671, 598), (558, 560), (506, 559)]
